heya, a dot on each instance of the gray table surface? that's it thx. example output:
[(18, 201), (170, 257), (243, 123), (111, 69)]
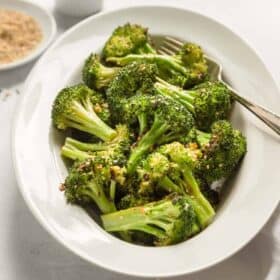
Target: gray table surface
[(27, 252)]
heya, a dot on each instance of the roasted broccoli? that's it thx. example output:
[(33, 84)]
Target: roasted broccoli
[(159, 118), (170, 221), (208, 102), (136, 77), (91, 181), (171, 168), (222, 149), (147, 139), (186, 68), (192, 57), (96, 75), (84, 109), (127, 39)]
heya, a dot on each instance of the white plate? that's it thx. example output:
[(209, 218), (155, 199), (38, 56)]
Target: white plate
[(45, 20), (252, 195)]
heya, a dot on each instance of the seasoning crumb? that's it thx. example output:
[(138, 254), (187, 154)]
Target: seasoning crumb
[(19, 35), (61, 187)]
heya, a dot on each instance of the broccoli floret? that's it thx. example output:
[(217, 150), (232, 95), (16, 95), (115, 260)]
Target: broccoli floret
[(171, 169), (186, 68), (178, 154), (90, 181), (114, 151), (208, 102), (154, 175), (96, 75), (134, 78), (193, 59), (162, 118), (170, 221), (222, 149), (127, 39), (84, 109)]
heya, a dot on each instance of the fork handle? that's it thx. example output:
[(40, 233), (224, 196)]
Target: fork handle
[(269, 118)]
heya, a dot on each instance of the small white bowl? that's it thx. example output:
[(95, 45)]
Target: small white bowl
[(45, 20)]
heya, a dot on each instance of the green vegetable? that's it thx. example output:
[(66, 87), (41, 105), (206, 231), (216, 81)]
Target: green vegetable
[(134, 78), (96, 75), (127, 39), (170, 221), (186, 68), (208, 102), (147, 137), (159, 118), (115, 150), (90, 181), (222, 150), (84, 109), (171, 168)]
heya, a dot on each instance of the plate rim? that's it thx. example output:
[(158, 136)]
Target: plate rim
[(36, 212)]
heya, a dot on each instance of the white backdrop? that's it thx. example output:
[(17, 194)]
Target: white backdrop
[(27, 252)]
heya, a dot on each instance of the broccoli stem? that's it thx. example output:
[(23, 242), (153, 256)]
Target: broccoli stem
[(161, 60), (147, 141), (70, 151), (135, 218), (167, 184), (124, 220), (96, 193), (203, 217), (185, 97), (85, 146), (106, 75), (85, 119), (150, 218), (195, 191), (142, 119), (112, 190), (147, 48)]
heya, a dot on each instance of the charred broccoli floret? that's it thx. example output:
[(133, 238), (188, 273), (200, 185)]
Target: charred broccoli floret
[(193, 59), (171, 169), (127, 39), (170, 221), (91, 181), (222, 149), (159, 118), (208, 102), (134, 78), (96, 75), (84, 109)]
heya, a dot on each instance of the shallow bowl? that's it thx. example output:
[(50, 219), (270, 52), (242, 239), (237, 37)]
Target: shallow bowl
[(250, 198)]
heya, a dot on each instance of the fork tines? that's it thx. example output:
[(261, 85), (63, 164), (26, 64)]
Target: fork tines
[(170, 46)]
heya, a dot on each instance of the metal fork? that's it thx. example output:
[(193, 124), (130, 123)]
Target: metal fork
[(171, 45)]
